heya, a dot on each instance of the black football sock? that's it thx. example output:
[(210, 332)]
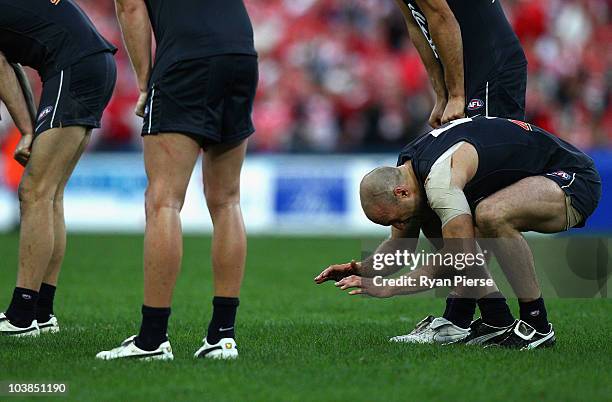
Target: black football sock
[(449, 302), (22, 310), (495, 310), (534, 314), (154, 328), (460, 311), (44, 308), (223, 319)]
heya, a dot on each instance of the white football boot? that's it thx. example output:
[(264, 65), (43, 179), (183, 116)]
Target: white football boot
[(6, 328), (51, 326), (129, 350), (224, 349), (434, 330)]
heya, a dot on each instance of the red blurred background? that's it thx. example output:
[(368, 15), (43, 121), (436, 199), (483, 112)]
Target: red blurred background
[(342, 76)]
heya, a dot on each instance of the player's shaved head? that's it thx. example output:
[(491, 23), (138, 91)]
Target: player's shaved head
[(377, 191)]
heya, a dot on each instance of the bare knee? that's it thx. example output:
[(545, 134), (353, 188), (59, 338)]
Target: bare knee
[(159, 197), (492, 220), (220, 199), (36, 189)]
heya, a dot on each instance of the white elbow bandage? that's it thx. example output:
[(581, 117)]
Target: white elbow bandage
[(446, 200)]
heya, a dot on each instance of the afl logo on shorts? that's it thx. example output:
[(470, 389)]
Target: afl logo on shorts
[(45, 112), (561, 174), (55, 2), (475, 104)]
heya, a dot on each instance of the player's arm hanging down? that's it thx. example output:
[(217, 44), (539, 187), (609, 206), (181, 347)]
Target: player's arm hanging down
[(15, 92), (431, 63), (136, 28), (446, 35)]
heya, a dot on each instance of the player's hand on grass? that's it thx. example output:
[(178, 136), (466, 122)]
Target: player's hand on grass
[(455, 109), (141, 103), (24, 149), (435, 119), (363, 286), (337, 272)]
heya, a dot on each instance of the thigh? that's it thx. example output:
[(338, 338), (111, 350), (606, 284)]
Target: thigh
[(221, 170), (532, 204), (169, 161), (59, 195), (53, 152)]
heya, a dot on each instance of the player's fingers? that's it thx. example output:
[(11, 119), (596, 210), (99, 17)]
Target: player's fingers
[(323, 276), (356, 292), (349, 282), (341, 282), (334, 271), (435, 120), (22, 157)]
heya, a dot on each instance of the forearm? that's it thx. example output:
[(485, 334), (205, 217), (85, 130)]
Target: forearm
[(446, 34), (377, 265), (136, 28), (12, 95), (431, 63), (468, 278), (26, 89), (385, 261), (426, 53), (420, 280)]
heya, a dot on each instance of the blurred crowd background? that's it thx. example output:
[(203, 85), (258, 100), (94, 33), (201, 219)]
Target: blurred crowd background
[(342, 75)]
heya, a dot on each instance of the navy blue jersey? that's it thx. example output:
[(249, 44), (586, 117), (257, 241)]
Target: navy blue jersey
[(189, 29), (47, 36), (489, 43), (508, 151)]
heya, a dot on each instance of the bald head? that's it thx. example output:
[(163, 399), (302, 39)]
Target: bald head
[(377, 191)]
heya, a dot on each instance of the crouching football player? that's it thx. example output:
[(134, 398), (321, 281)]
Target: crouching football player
[(198, 95), (476, 67), (494, 186), (78, 72)]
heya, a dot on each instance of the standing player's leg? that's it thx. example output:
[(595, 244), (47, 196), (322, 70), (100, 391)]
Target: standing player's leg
[(44, 310), (232, 98), (169, 163), (221, 171), (52, 152)]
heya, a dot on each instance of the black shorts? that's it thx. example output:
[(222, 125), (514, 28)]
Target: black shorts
[(208, 99), (583, 186), (503, 93), (78, 95)]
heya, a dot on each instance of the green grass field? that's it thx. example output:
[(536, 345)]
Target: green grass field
[(298, 341)]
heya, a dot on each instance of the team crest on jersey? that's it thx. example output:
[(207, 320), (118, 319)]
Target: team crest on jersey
[(475, 104), (45, 112), (55, 2), (561, 174)]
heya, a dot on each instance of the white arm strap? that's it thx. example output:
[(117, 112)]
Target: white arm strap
[(446, 200)]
